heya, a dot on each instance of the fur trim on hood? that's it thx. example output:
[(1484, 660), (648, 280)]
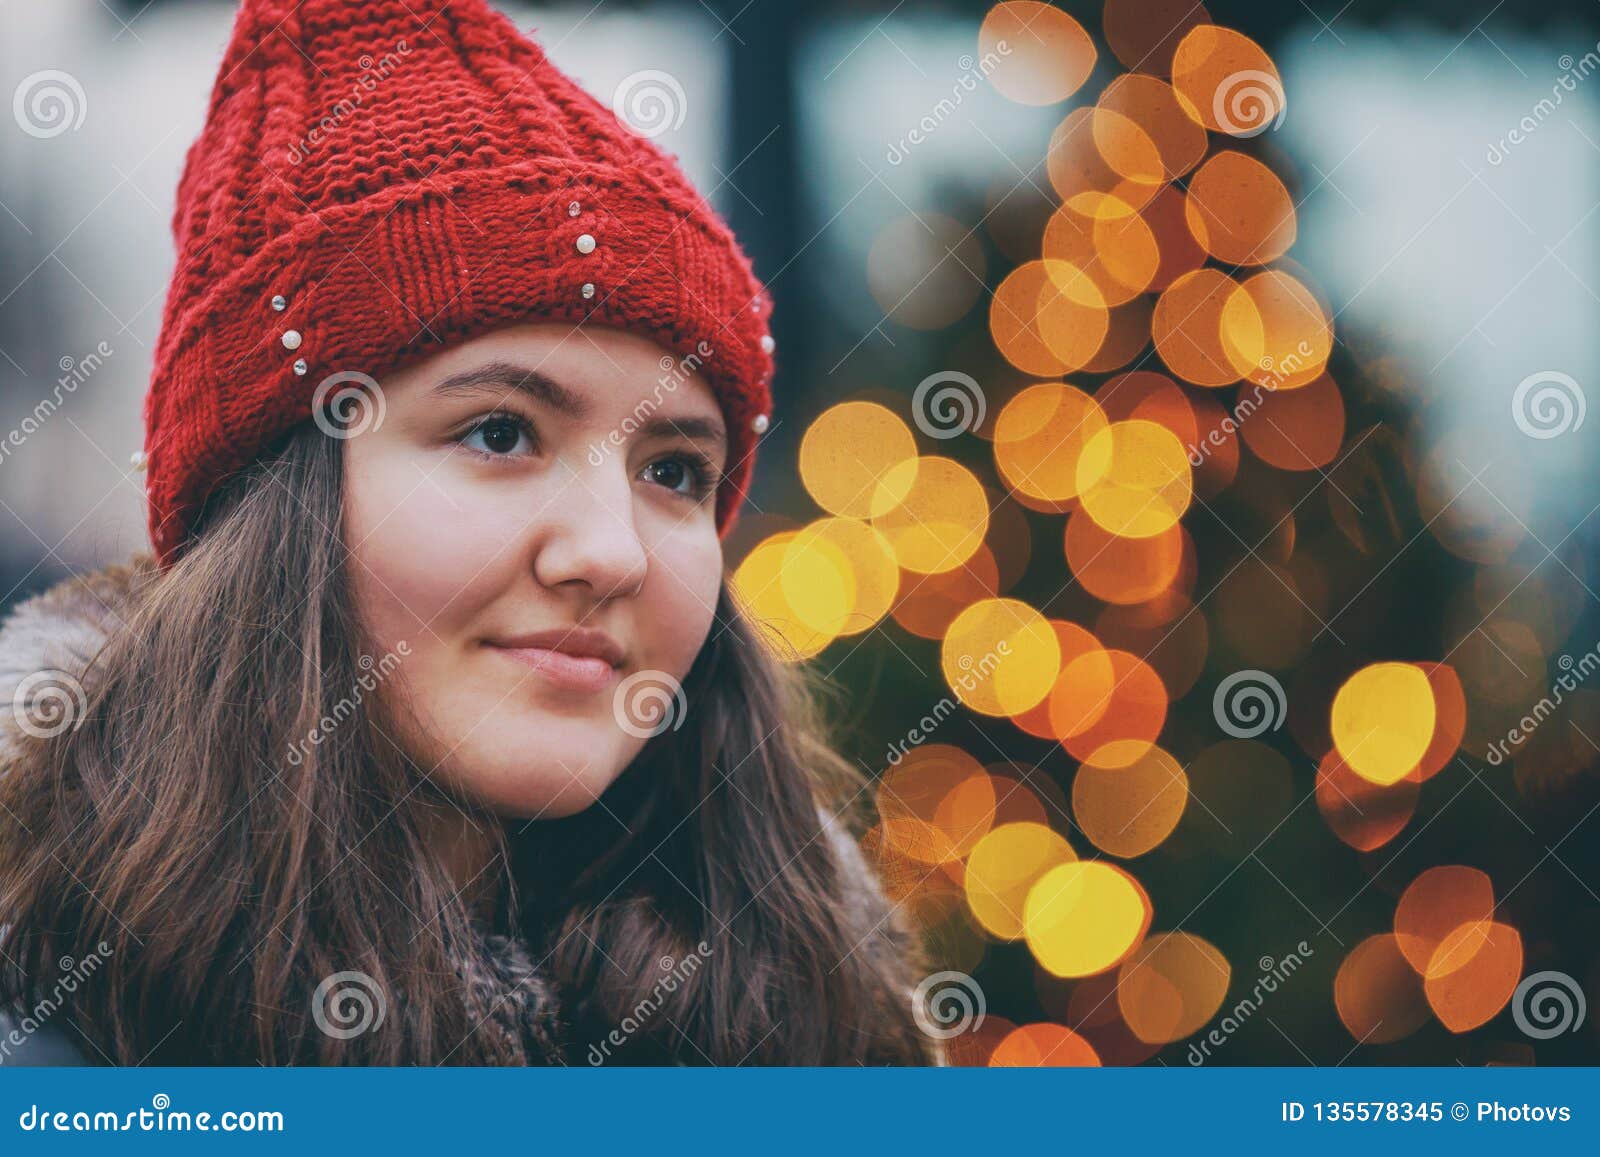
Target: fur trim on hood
[(48, 644)]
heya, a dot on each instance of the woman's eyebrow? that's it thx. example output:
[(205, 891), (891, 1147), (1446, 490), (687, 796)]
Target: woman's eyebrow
[(694, 428), (541, 387), (509, 375)]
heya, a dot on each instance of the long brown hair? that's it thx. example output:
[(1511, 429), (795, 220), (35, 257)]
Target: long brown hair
[(219, 881)]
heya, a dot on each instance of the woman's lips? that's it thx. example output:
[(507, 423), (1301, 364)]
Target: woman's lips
[(559, 669)]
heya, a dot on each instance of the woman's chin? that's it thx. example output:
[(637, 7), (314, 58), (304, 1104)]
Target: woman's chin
[(549, 784)]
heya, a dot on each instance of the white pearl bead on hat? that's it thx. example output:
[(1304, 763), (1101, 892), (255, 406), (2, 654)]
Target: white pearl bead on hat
[(767, 343), (588, 290), (139, 460), (291, 339), (760, 423), (585, 243)]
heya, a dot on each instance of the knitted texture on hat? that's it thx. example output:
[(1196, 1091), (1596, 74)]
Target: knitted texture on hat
[(405, 174)]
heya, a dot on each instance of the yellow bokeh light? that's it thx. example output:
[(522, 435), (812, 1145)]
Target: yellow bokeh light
[(1043, 1045), (1084, 917), (1000, 656), (1134, 478), (1376, 994), (1472, 993), (1178, 139), (1042, 54), (1239, 210), (1113, 247), (1126, 147), (1039, 437), (1187, 327), (1226, 81), (1048, 318), (940, 517), (819, 585), (1275, 332), (1003, 866), (1439, 901), (1070, 313), (937, 802), (846, 454), (841, 575), (1171, 986), (1383, 720), (1080, 172), (760, 587), (1129, 809)]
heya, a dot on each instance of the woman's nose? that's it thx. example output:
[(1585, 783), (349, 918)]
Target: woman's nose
[(589, 534)]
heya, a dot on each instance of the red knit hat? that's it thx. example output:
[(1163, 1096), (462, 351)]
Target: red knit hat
[(378, 178)]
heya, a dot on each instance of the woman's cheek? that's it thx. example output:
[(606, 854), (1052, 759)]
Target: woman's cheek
[(681, 597), (424, 546)]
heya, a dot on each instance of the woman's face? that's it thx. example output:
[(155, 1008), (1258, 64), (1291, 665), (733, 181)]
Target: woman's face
[(533, 517)]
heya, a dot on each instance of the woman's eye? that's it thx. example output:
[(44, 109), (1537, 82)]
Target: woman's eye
[(498, 435), (681, 475)]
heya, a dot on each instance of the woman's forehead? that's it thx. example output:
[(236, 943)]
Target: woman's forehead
[(593, 369)]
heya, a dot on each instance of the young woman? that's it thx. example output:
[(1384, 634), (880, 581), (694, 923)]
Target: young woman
[(430, 732)]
